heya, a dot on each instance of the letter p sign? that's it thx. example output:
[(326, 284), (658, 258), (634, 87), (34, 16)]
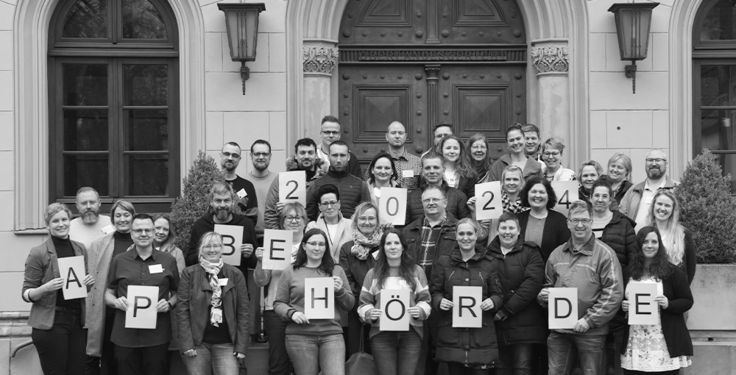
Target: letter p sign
[(142, 302)]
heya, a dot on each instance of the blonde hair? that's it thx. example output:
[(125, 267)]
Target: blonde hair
[(673, 234)]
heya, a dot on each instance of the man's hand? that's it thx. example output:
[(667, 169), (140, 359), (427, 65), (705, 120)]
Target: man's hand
[(121, 304), (246, 249), (581, 326), (163, 306)]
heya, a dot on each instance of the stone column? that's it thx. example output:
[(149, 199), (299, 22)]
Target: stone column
[(551, 60), (319, 60)]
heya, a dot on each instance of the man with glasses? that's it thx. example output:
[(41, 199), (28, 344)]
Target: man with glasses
[(637, 201), (261, 178), (592, 267), (433, 169), (142, 351), (245, 193), (428, 238), (330, 132), (90, 225)]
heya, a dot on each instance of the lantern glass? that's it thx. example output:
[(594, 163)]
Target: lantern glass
[(633, 22), (241, 22)]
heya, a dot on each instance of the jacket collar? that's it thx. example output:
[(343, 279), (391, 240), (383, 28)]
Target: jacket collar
[(587, 248), (206, 282), (668, 184), (456, 258), (495, 247), (450, 221), (333, 173)]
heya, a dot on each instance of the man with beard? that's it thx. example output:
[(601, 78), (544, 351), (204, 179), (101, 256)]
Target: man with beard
[(261, 178), (90, 225), (330, 132), (304, 159), (636, 202), (433, 168), (352, 189), (222, 202), (245, 193)]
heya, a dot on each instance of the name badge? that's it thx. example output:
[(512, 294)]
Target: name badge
[(222, 282), (241, 193), (156, 268), (375, 254), (108, 229), (407, 173)]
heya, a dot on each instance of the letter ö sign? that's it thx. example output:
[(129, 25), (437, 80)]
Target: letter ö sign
[(394, 303)]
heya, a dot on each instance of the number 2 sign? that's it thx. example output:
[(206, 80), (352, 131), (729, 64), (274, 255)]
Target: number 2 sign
[(293, 186), (488, 203), (567, 192)]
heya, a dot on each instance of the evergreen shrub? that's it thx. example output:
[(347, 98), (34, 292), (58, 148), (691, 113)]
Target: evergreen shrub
[(708, 209)]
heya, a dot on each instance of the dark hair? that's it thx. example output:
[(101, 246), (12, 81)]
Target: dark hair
[(660, 267), (506, 216), (602, 183), (463, 164), (329, 118), (441, 125), (327, 265), (142, 217), (327, 189), (338, 143), (308, 142), (371, 178), (406, 268), (231, 143), (551, 196), (261, 142), (430, 155), (512, 128)]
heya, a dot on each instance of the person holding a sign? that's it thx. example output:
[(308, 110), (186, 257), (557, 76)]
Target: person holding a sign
[(433, 172), (664, 214), (516, 143), (552, 157), (57, 320), (664, 347), (542, 225), (381, 173), (331, 220), (459, 173), (293, 218), (314, 343), (590, 172), (591, 267), (212, 312), (395, 350), (467, 350), (480, 158)]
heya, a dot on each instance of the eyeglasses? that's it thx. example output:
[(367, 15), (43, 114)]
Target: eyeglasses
[(655, 160), (212, 247), (291, 219), (579, 221), (330, 203), (431, 200), (229, 154), (551, 154), (260, 154), (316, 244), (326, 132), (141, 231)]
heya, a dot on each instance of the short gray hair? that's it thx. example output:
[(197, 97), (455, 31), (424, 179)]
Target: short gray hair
[(580, 206)]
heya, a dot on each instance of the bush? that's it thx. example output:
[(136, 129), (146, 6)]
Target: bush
[(708, 209)]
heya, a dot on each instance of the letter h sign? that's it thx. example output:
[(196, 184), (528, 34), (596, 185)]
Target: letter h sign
[(319, 298)]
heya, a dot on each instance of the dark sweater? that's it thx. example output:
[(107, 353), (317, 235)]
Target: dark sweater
[(352, 190), (206, 224), (620, 236), (249, 203), (555, 231), (64, 249), (457, 204)]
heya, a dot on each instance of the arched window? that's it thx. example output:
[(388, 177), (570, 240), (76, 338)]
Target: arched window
[(714, 82), (114, 102)]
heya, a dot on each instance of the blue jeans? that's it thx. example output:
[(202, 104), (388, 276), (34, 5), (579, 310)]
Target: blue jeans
[(515, 359), (590, 348), (212, 359), (396, 353), (309, 354)]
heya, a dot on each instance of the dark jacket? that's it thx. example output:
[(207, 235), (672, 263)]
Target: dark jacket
[(523, 321), (620, 236), (192, 310), (466, 345), (467, 186), (555, 231), (352, 190), (355, 269), (680, 300), (205, 224), (457, 203), (445, 242), (618, 195)]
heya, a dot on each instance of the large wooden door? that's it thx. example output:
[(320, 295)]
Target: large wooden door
[(424, 63)]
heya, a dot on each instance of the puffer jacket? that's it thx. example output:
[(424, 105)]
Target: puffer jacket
[(620, 236), (470, 346), (522, 320), (445, 242), (618, 195), (352, 190), (457, 203)]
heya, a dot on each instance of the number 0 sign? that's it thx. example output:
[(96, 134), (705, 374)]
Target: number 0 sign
[(488, 201), (567, 192), (293, 186), (392, 206)]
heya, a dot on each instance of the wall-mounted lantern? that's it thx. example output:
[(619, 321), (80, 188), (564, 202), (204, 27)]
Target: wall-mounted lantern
[(241, 23), (632, 27)]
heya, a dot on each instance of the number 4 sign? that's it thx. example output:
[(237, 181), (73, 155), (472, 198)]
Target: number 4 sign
[(293, 186), (567, 192), (488, 203)]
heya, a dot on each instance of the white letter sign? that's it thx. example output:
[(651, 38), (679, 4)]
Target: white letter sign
[(567, 192), (293, 187), (142, 301), (392, 206), (643, 310), (71, 269), (319, 298), (563, 308), (394, 303), (277, 249), (232, 238), (466, 312), (488, 201)]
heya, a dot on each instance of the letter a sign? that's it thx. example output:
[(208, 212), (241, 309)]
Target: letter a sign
[(466, 311), (563, 308), (142, 302), (71, 269), (394, 303), (319, 298)]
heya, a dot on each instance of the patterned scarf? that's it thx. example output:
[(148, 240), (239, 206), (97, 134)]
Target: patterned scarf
[(362, 245), (514, 207), (213, 269)]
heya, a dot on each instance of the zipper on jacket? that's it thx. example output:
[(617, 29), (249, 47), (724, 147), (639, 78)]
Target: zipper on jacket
[(481, 277)]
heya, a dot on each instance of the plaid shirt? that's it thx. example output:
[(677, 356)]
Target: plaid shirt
[(429, 238), (408, 162)]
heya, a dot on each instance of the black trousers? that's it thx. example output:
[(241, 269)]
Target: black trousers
[(632, 372), (62, 348), (455, 368), (279, 362), (106, 364), (150, 360)]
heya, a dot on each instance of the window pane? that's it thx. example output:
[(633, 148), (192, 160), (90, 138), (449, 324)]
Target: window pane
[(719, 23), (718, 135), (85, 170), (146, 84), (147, 130), (85, 130), (86, 19), (147, 174), (85, 84), (141, 20)]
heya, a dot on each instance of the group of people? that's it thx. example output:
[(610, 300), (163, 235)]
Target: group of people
[(618, 232)]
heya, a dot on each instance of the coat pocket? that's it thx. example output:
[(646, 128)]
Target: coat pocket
[(447, 336), (486, 335)]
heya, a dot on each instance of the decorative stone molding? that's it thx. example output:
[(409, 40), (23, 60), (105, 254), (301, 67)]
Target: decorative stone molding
[(551, 59), (320, 59)]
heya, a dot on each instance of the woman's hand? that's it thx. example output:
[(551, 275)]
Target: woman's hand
[(246, 249), (471, 203), (239, 355), (625, 305), (190, 353), (386, 226), (662, 301), (89, 280), (414, 312), (52, 285), (487, 304), (299, 318), (121, 304), (446, 304), (374, 314), (259, 254), (338, 282)]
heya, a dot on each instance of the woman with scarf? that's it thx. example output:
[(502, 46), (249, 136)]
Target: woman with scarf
[(212, 312), (356, 258)]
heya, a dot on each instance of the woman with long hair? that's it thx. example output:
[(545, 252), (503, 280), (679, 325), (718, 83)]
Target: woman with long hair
[(382, 173), (664, 214), (313, 344), (541, 224), (480, 157), (395, 352), (459, 173), (664, 347), (590, 172)]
